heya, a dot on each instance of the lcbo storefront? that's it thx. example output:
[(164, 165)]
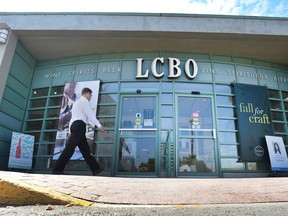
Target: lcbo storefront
[(164, 116), (165, 113)]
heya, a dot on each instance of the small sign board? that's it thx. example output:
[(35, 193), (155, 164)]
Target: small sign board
[(277, 153), (21, 151)]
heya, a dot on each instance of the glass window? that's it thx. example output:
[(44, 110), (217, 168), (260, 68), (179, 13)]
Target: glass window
[(224, 100), (36, 135), (286, 105), (200, 107), (55, 101), (107, 98), (224, 124), (57, 90), (228, 150), (196, 155), (106, 110), (105, 162), (138, 112), (51, 124), (273, 94), (109, 87), (227, 137), (53, 113), (35, 114), (167, 123), (278, 116), (167, 110), (167, 86), (105, 149), (225, 112), (231, 164), (285, 95), (224, 89), (275, 105), (45, 149), (151, 86), (166, 98), (49, 136), (108, 135), (193, 87), (137, 155), (279, 127), (35, 103), (33, 125), (40, 92), (107, 122)]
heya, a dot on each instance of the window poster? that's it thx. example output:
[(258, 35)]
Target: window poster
[(277, 153), (254, 122), (72, 92), (21, 151)]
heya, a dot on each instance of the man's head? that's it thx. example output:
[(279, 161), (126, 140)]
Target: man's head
[(87, 93)]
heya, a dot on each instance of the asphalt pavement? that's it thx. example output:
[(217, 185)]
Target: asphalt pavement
[(19, 188)]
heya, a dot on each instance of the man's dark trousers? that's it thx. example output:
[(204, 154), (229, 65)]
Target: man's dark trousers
[(77, 138)]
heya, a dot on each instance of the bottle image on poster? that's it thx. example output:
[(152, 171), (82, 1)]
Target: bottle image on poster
[(21, 151), (18, 149)]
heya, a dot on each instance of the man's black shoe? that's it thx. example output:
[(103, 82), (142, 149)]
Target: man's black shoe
[(59, 173), (98, 171)]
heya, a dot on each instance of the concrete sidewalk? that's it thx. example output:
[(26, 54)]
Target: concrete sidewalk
[(89, 190)]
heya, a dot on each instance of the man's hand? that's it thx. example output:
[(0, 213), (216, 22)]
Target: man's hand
[(101, 129), (68, 135)]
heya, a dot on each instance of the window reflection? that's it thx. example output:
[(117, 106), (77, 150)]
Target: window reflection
[(136, 155)]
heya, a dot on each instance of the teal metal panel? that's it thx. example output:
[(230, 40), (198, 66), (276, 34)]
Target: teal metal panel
[(128, 70), (9, 122), (11, 109), (144, 55), (109, 70), (84, 72), (225, 73), (42, 78), (47, 63), (5, 134), (221, 58), (263, 64), (29, 59), (68, 60), (20, 70), (110, 56), (244, 75), (14, 97), (89, 57), (269, 79), (205, 72), (17, 86), (63, 74), (243, 60), (195, 56), (282, 78)]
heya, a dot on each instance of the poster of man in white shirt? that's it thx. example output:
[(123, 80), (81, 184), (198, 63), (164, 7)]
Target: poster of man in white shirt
[(66, 107), (277, 153)]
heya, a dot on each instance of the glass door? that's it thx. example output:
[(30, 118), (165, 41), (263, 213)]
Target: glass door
[(196, 136), (137, 135)]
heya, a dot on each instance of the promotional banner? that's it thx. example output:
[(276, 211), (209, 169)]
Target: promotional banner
[(72, 92), (21, 151), (277, 153), (254, 121)]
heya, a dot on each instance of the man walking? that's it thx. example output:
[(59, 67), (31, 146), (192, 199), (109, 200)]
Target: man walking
[(81, 115)]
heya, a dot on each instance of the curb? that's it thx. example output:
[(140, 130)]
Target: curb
[(16, 194)]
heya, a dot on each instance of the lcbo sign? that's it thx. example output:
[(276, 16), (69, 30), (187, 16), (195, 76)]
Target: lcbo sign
[(174, 69)]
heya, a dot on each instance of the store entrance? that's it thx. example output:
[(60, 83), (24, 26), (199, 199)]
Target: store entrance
[(137, 136), (196, 136)]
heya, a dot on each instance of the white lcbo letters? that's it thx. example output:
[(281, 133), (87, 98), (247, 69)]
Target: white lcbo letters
[(174, 69)]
